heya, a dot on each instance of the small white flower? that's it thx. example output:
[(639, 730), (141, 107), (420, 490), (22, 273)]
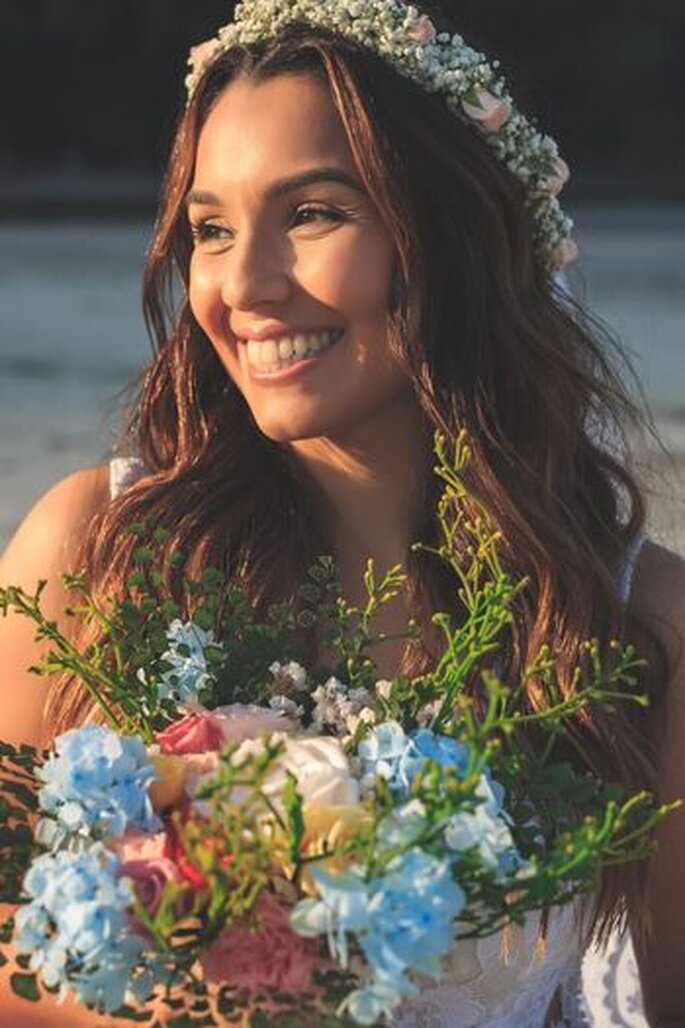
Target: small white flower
[(383, 688), (291, 673), (440, 62), (284, 705)]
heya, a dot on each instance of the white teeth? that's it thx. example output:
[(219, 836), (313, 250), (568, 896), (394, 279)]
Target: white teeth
[(268, 352), (271, 355)]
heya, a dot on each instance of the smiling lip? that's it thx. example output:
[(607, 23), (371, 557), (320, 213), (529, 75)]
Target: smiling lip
[(286, 374), (280, 332)]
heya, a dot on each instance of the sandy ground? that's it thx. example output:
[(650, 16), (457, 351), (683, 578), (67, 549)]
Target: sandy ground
[(71, 337), (662, 475)]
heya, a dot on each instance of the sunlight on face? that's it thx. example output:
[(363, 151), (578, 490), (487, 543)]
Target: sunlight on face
[(306, 265)]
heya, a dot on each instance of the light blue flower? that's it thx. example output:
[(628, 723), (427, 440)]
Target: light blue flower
[(402, 825), (486, 829), (188, 675), (428, 745), (370, 1003), (413, 907), (387, 752), (75, 927), (95, 785), (403, 921), (343, 907), (380, 752)]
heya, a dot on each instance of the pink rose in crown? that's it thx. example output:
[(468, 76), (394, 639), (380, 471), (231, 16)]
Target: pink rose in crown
[(205, 731), (424, 31), (564, 254), (262, 956), (489, 111), (201, 53), (559, 176)]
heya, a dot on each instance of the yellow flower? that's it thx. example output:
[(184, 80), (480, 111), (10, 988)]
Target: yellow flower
[(326, 829), (168, 790)]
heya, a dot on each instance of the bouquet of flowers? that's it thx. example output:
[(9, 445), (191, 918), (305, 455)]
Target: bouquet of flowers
[(246, 839)]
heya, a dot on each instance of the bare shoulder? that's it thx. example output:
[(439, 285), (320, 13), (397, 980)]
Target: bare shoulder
[(50, 532), (45, 546), (658, 598)]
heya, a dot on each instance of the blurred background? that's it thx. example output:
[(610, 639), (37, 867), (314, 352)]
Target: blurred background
[(92, 90)]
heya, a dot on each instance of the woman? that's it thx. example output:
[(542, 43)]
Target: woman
[(365, 253)]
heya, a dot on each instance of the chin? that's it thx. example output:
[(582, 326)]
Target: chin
[(293, 429)]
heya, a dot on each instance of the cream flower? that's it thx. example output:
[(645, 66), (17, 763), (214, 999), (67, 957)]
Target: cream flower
[(489, 111), (322, 771), (424, 30)]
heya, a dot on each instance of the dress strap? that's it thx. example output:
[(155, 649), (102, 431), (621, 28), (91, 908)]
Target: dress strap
[(123, 472), (624, 581)]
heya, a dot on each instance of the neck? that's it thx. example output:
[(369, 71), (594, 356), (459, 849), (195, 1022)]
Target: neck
[(373, 484)]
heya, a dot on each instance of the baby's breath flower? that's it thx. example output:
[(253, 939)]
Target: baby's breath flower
[(438, 62)]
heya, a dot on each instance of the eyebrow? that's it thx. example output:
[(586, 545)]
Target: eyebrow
[(285, 185)]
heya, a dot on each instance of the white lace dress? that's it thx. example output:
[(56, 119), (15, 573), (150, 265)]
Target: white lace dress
[(515, 979)]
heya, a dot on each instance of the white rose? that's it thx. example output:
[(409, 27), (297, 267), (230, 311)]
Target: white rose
[(324, 777), (241, 721), (322, 771)]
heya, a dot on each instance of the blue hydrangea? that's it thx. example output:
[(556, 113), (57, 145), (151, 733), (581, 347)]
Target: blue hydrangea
[(188, 674), (95, 785), (370, 1003), (486, 829), (387, 752), (75, 928), (403, 921)]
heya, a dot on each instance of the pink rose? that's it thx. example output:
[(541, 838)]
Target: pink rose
[(248, 721), (136, 845), (201, 53), (198, 732), (424, 31), (564, 254), (268, 955), (205, 731), (149, 879), (489, 111), (143, 861), (559, 177)]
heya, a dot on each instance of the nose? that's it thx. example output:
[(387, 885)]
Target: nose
[(254, 272)]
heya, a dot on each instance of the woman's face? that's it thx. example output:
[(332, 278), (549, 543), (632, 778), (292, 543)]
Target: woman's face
[(291, 271)]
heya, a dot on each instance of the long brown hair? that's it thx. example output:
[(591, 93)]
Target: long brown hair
[(490, 346)]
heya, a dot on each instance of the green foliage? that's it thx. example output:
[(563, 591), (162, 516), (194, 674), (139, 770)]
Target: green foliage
[(18, 804), (25, 986), (566, 822)]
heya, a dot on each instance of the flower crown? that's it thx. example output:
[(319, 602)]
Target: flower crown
[(438, 62)]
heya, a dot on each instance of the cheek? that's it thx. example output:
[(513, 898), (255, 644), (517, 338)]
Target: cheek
[(204, 296), (362, 275)]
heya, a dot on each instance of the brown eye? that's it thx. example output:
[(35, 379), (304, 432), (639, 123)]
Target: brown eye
[(310, 213)]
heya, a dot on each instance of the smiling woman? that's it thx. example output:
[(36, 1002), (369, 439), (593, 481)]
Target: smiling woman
[(356, 247), (294, 248)]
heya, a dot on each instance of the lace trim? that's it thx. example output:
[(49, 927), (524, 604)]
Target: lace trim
[(514, 979), (612, 996), (123, 472)]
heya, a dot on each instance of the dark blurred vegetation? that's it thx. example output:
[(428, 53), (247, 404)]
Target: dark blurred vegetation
[(95, 86)]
